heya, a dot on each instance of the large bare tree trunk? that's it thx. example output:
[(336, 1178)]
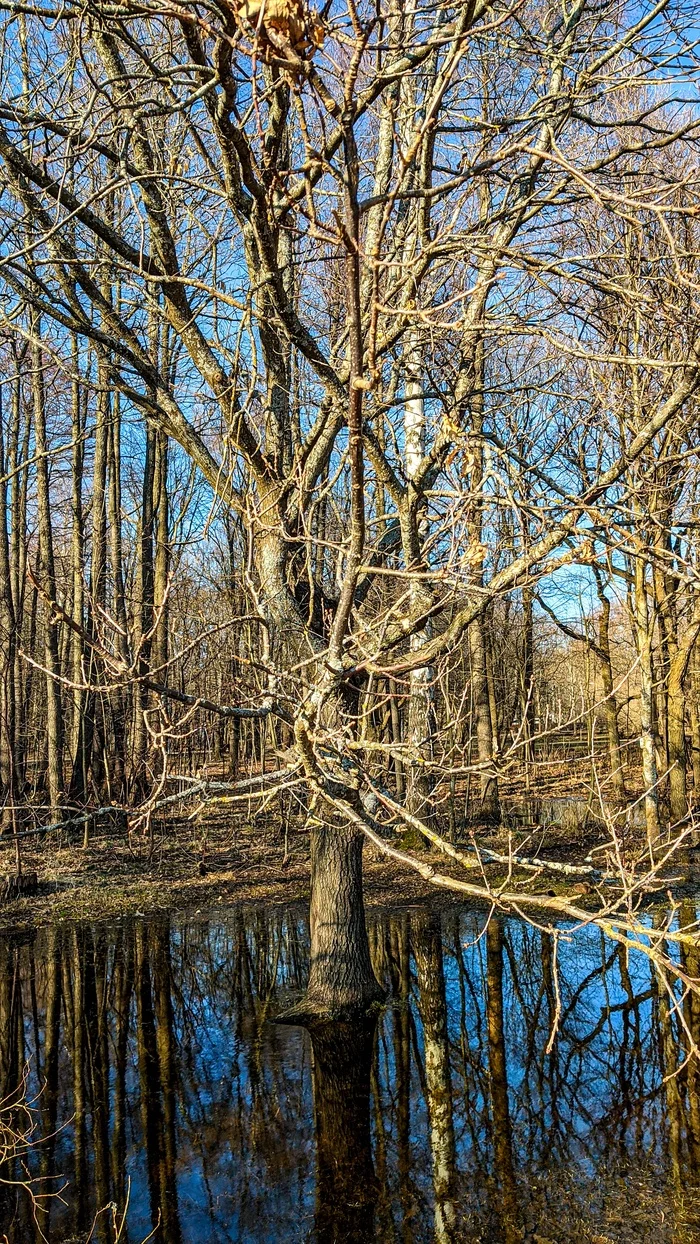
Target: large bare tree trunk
[(342, 982)]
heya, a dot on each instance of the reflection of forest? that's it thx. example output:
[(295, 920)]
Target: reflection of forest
[(461, 1119)]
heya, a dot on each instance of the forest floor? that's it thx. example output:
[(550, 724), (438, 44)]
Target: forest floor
[(184, 865), (197, 866)]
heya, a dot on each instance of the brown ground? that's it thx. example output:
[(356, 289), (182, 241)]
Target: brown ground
[(115, 876), (197, 866)]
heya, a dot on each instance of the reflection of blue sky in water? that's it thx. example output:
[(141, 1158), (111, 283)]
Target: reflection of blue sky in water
[(241, 1093)]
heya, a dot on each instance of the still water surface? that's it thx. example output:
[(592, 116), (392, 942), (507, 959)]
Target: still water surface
[(465, 1114)]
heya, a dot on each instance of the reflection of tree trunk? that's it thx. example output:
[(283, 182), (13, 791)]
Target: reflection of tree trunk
[(151, 1121), (690, 959), (400, 968), (78, 1051), (10, 1020), (498, 1078), (346, 1188), (123, 979), (341, 977), (52, 1023), (166, 1067), (668, 1062), (432, 1005), (97, 1067)]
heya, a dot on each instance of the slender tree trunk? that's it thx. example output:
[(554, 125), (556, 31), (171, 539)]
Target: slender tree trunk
[(47, 576), (396, 738), (646, 697), (8, 649), (144, 616), (489, 810), (617, 777), (23, 675), (421, 723), (694, 713), (161, 568), (119, 697), (79, 776), (528, 677)]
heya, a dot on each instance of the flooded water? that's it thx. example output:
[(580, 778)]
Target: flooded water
[(506, 1093)]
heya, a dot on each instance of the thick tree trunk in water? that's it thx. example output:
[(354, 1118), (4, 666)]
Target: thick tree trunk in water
[(346, 1187), (341, 977)]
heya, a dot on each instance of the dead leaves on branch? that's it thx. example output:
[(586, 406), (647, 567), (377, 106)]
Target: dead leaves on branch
[(283, 30)]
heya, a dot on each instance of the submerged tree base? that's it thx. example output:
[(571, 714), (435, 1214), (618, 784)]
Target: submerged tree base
[(342, 982)]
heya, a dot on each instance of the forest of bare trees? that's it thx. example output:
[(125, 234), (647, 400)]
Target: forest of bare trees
[(349, 383)]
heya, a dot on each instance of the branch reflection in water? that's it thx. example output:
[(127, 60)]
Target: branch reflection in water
[(503, 1090)]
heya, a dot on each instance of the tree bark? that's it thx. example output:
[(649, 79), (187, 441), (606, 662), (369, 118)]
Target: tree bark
[(54, 717), (342, 982), (617, 777)]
